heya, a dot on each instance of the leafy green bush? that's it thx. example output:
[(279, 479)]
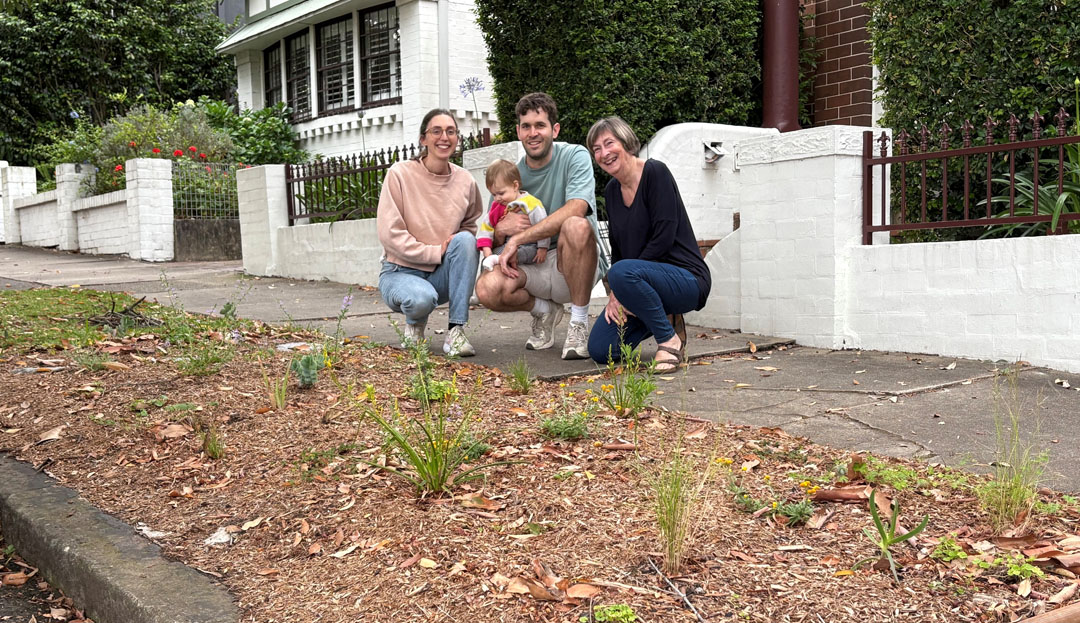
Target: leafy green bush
[(259, 136), (959, 59), (652, 62)]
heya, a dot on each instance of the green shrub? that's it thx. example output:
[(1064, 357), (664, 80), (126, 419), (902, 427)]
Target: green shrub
[(652, 62), (948, 61)]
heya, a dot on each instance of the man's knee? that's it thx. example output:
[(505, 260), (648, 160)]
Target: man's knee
[(577, 232), (492, 288)]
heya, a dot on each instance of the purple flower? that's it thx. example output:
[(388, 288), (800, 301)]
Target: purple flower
[(346, 302), (472, 85)]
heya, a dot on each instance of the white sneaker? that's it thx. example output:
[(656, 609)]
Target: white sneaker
[(413, 333), (457, 345), (543, 328), (577, 341)]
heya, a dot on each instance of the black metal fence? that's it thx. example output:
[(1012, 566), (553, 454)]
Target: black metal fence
[(347, 187), (1014, 188)]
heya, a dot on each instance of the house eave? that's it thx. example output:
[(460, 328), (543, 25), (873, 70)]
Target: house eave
[(261, 33)]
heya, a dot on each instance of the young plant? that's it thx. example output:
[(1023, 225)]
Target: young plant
[(631, 385), (521, 376), (203, 359), (886, 534), (91, 361), (570, 419), (306, 368), (212, 443), (1019, 464), (276, 389), (436, 445), (616, 613), (678, 490)]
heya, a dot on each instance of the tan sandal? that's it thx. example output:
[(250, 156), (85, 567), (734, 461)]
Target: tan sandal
[(668, 364)]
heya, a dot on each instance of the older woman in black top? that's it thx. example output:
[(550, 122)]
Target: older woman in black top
[(657, 273)]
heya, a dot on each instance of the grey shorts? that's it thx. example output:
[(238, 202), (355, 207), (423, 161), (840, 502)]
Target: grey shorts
[(544, 281)]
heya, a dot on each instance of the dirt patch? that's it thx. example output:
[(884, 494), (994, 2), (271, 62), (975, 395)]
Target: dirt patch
[(298, 525)]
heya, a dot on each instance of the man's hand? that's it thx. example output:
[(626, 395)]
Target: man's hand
[(510, 224), (508, 258), (614, 312)]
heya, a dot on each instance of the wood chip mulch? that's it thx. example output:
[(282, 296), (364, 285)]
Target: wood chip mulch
[(298, 526)]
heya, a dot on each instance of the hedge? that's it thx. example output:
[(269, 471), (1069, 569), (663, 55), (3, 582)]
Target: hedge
[(652, 62), (948, 60)]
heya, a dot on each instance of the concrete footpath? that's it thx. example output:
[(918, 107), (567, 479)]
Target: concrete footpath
[(898, 404)]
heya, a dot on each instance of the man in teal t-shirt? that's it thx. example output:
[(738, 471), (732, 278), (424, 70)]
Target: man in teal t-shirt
[(561, 176)]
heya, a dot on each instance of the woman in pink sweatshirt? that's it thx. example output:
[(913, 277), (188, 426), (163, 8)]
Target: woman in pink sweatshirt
[(427, 226)]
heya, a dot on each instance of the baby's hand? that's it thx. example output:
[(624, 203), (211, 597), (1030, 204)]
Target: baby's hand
[(490, 262), (541, 255)]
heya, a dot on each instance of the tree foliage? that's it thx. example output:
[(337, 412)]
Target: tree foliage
[(60, 60), (652, 62), (949, 60)]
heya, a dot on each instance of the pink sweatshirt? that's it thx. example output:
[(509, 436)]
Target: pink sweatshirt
[(419, 210)]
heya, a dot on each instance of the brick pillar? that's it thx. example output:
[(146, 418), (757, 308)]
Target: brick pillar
[(150, 209), (843, 84), (15, 182), (263, 209)]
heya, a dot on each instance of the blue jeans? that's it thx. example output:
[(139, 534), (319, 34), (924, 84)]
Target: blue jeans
[(650, 291), (416, 293)]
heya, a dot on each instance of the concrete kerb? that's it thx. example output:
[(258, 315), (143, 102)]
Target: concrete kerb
[(100, 561)]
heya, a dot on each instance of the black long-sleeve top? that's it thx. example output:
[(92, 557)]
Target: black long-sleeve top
[(655, 225)]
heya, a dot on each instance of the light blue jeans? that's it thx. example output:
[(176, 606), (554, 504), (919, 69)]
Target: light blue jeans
[(416, 293)]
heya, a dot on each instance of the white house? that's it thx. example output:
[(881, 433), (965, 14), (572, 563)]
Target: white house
[(359, 75)]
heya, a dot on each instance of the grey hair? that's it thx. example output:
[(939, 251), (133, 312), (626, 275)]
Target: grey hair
[(619, 129)]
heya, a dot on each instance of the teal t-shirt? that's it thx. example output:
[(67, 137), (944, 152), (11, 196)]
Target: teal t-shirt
[(568, 175)]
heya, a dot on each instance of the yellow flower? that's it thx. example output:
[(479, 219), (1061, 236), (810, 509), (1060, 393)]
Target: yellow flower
[(595, 399), (804, 484), (813, 490), (570, 395), (588, 391), (591, 381), (774, 504), (746, 468), (768, 478), (562, 385)]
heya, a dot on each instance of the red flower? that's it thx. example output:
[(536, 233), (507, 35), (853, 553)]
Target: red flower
[(203, 156), (208, 170), (119, 167), (178, 152), (192, 148), (131, 144), (155, 150)]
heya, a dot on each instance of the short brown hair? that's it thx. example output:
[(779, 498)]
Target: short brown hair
[(502, 171), (619, 129), (537, 101)]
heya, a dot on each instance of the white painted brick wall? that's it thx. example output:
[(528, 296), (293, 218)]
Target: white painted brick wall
[(263, 210), (988, 299), (348, 252), (102, 223), (37, 219), (150, 209), (15, 182)]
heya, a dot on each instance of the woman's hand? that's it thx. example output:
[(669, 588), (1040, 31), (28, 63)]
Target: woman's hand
[(614, 312), (446, 245)]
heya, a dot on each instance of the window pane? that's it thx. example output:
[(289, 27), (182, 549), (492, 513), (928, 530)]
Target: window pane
[(380, 56), (272, 75), (335, 62), (298, 70)]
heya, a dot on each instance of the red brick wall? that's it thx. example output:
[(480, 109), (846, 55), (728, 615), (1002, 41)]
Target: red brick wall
[(842, 84)]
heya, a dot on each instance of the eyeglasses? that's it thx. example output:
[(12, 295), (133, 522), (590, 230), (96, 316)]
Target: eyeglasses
[(437, 132)]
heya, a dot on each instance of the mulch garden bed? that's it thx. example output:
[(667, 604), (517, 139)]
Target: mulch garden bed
[(299, 526)]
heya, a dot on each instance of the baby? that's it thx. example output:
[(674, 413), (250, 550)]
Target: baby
[(504, 182)]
